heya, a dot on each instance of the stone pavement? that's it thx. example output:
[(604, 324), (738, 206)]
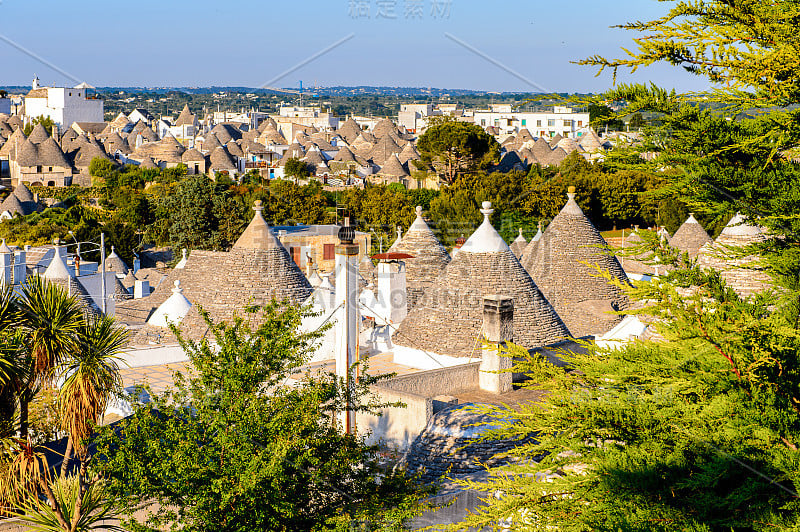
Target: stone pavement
[(159, 377)]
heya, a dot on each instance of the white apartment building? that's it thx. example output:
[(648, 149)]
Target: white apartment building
[(252, 118), (63, 105), (308, 116), (562, 121), (414, 116)]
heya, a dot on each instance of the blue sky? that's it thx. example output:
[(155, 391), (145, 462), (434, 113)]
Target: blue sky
[(248, 43)]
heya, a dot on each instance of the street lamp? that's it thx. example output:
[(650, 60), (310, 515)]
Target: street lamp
[(78, 250)]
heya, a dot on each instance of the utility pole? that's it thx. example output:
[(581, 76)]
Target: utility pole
[(103, 271), (346, 351)]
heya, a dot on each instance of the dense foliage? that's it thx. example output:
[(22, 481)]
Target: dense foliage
[(218, 453), (54, 354), (699, 429), (169, 208), (454, 147)]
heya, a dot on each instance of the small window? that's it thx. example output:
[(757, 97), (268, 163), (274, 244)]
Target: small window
[(524, 122), (38, 169), (538, 123), (496, 121), (328, 251), (70, 94), (567, 123), (483, 121), (551, 123), (580, 123), (295, 252)]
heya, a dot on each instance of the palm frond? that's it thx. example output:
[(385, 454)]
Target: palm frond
[(91, 376), (96, 510), (51, 319)]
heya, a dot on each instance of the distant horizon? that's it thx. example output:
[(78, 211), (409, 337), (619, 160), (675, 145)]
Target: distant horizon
[(516, 47), (308, 90)]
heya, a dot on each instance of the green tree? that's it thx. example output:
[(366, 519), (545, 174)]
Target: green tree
[(624, 198), (456, 147), (46, 121), (637, 121), (103, 172), (50, 322), (698, 431), (603, 116), (59, 341), (279, 460), (297, 169)]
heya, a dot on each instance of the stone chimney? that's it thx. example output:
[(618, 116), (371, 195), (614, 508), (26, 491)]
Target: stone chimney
[(392, 292), (498, 328)]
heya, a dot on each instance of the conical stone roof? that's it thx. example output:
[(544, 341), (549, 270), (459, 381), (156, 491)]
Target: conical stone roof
[(59, 274), (742, 274), (114, 263), (221, 160), (429, 258), (384, 149), (211, 143), (148, 162), (690, 237), (255, 271), (384, 127), (23, 192), (518, 245), (409, 153), (39, 134), (556, 265), (192, 155), (234, 149), (8, 149), (393, 167), (186, 118), (13, 206), (448, 318), (257, 235), (350, 130), (120, 122)]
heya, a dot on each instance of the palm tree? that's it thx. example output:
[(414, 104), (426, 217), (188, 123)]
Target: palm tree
[(50, 320), (13, 367), (91, 376)]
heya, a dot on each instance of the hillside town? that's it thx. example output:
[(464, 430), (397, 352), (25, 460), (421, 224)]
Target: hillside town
[(339, 151), (407, 308)]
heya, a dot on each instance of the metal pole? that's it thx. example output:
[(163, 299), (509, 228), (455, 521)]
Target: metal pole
[(103, 271)]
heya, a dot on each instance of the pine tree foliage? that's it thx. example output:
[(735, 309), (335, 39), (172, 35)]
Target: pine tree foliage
[(694, 432), (697, 427)]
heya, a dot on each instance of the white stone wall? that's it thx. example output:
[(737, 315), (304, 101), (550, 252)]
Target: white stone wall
[(65, 106), (537, 123)]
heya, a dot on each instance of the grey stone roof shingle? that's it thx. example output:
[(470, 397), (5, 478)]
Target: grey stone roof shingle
[(429, 257), (556, 264)]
